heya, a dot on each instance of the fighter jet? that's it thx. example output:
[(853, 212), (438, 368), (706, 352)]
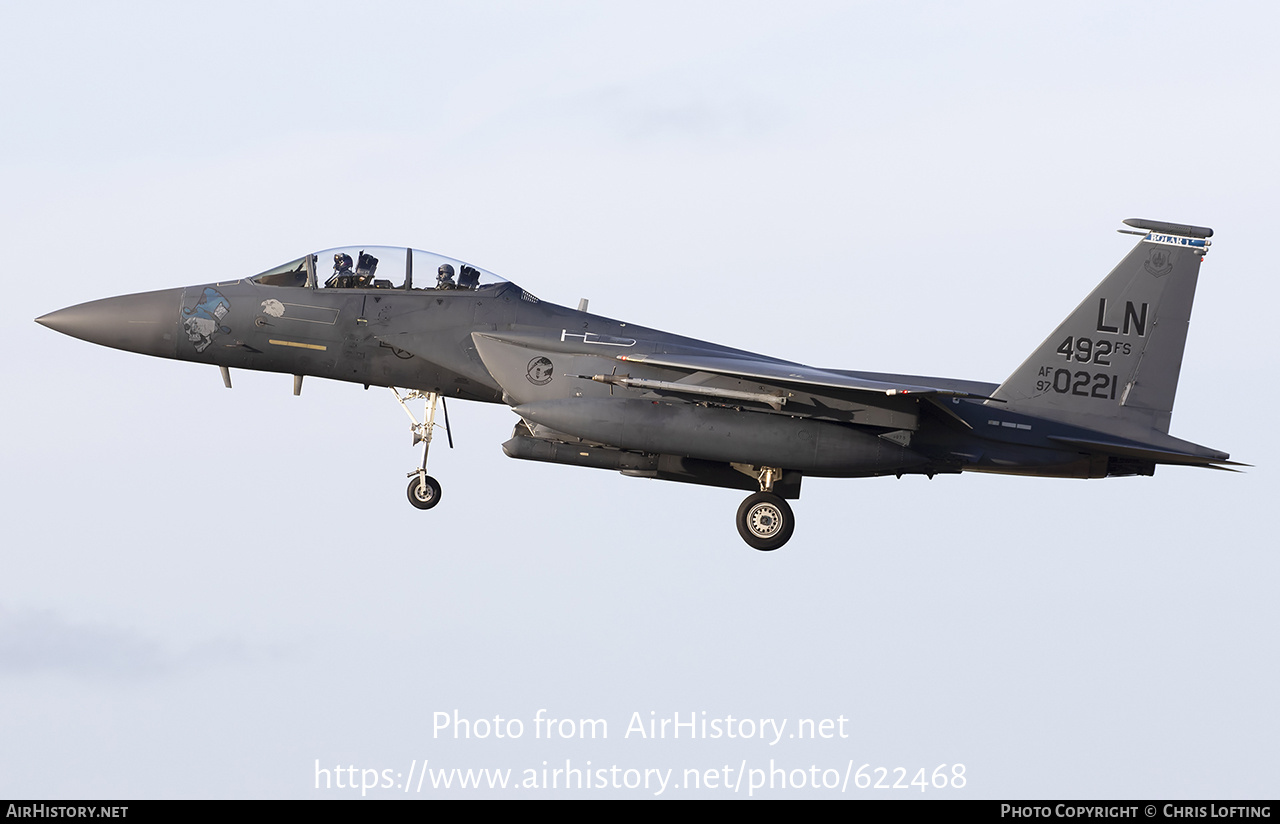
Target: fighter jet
[(1094, 400)]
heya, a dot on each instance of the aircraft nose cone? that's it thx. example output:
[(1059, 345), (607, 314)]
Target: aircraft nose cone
[(146, 323)]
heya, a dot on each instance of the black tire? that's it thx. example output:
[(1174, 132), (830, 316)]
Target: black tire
[(424, 495), (765, 521)]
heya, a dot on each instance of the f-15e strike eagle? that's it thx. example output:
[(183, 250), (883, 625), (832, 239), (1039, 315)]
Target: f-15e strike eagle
[(1093, 401)]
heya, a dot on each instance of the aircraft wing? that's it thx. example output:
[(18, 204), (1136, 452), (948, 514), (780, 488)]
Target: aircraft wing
[(792, 374)]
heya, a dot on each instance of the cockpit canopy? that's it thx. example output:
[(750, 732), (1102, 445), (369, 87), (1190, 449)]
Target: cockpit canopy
[(379, 267)]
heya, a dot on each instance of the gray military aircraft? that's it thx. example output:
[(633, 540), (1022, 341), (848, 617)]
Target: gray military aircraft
[(1094, 400)]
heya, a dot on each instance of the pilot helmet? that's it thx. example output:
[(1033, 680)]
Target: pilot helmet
[(341, 261), (446, 273)]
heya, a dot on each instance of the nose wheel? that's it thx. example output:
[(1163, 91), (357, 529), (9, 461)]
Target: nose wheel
[(424, 490)]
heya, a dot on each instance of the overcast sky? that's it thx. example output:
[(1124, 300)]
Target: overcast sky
[(205, 593)]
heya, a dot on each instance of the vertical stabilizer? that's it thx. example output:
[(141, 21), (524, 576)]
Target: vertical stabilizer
[(1113, 364)]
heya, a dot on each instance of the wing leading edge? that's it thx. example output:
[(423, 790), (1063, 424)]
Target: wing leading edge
[(795, 375)]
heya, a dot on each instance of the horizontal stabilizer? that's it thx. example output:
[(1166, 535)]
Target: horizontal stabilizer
[(1151, 453)]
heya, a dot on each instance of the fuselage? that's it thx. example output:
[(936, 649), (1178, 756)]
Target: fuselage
[(1093, 400), (499, 344)]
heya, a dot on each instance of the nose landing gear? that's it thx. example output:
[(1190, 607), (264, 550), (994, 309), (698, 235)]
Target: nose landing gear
[(424, 490)]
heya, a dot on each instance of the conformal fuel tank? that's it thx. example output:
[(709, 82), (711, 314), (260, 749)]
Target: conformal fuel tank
[(712, 434)]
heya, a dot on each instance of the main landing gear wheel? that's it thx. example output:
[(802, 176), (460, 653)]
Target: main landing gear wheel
[(424, 492), (765, 521)]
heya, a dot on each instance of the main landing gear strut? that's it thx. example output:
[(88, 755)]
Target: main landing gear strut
[(765, 520), (424, 490)]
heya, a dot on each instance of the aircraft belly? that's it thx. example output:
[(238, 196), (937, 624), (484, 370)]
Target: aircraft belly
[(1049, 465), (725, 435)]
